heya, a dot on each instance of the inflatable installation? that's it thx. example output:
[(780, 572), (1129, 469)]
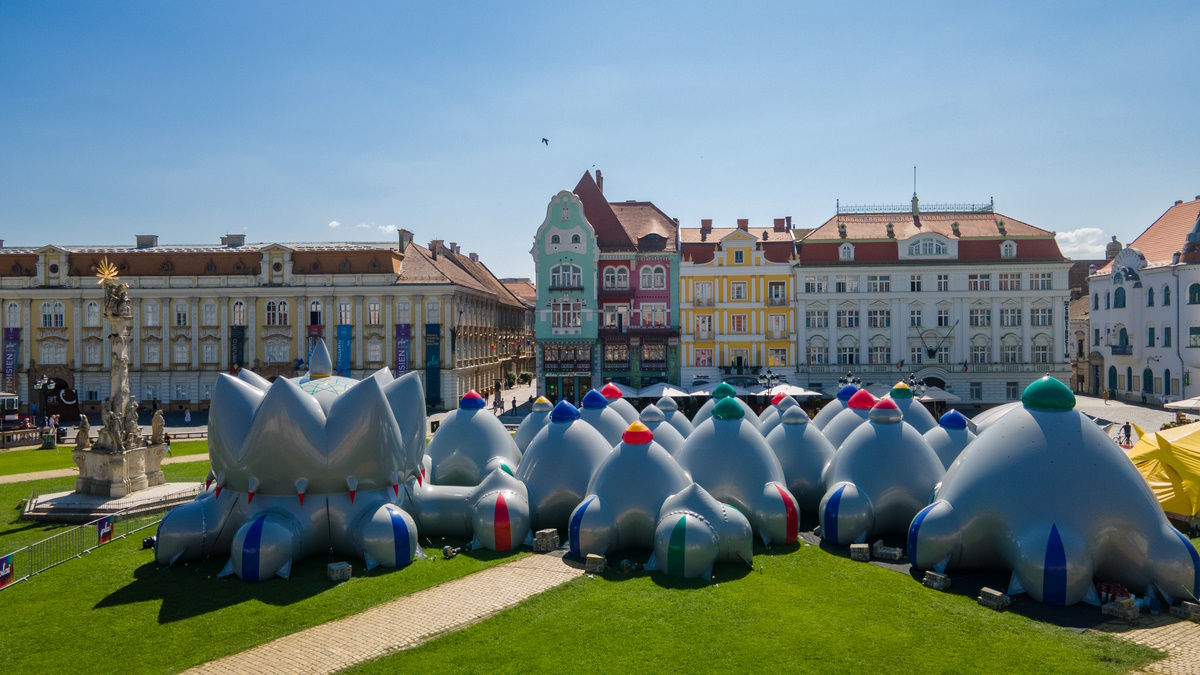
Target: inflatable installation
[(803, 453), (559, 465), (618, 403), (670, 411), (730, 459), (1045, 493), (723, 391), (858, 408), (664, 434), (881, 476), (300, 467), (915, 413), (950, 437), (695, 532), (772, 416), (538, 417), (495, 513), (837, 405), (470, 443), (607, 421)]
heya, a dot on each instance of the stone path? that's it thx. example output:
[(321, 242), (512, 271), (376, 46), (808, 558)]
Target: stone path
[(1179, 639), (74, 471), (402, 623)]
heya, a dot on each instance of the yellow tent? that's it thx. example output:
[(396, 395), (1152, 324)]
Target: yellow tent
[(1170, 462)]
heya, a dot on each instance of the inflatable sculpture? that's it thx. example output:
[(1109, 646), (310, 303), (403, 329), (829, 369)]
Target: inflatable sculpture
[(987, 418), (664, 434), (1045, 493), (883, 474), (670, 411), (950, 437), (618, 403), (538, 417), (730, 459), (626, 496), (558, 466), (696, 531), (772, 416), (495, 513), (915, 413), (300, 467), (724, 391), (803, 453), (858, 408), (837, 405), (607, 421), (470, 444)]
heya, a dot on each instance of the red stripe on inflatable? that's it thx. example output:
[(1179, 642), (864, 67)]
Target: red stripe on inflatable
[(396, 488), (249, 497), (301, 499), (503, 534), (218, 494), (352, 496), (793, 516)]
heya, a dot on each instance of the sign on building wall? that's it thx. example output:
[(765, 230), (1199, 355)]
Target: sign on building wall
[(12, 343), (433, 361), (237, 347), (403, 338), (315, 332), (344, 334)]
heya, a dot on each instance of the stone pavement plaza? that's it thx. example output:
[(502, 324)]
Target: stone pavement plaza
[(1148, 417), (402, 623), (1179, 639)]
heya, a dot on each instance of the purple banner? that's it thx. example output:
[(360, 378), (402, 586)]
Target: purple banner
[(104, 530), (403, 341), (12, 343), (6, 570)]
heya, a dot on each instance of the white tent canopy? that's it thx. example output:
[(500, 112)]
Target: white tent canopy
[(790, 390), (1185, 404), (707, 389), (937, 394), (662, 389)]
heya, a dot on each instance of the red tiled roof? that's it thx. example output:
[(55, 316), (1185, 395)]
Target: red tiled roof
[(1166, 235), (522, 288), (610, 234), (970, 225), (776, 246), (642, 218)]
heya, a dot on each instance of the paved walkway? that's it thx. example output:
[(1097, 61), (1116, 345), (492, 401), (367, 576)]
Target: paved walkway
[(402, 623), (74, 471), (1179, 639), (1148, 417)]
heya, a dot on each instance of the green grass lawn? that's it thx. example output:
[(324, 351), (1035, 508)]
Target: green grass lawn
[(806, 610), (25, 461)]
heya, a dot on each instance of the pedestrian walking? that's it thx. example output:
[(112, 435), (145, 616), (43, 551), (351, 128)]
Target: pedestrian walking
[(167, 441), (1127, 432), (187, 416), (514, 403)]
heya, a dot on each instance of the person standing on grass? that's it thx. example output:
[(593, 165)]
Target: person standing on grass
[(167, 441)]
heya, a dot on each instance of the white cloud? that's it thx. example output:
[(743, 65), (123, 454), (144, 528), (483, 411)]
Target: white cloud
[(386, 229), (333, 224), (1084, 243), (365, 226)]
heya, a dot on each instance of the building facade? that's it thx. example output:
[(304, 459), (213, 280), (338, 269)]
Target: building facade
[(1145, 311), (968, 299), (205, 309), (738, 301)]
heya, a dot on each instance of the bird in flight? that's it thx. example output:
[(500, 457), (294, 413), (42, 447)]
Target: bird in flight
[(546, 141)]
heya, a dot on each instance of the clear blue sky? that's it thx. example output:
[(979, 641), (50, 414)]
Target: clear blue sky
[(192, 119)]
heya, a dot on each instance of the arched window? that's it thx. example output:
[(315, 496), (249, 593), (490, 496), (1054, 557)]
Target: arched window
[(1149, 297), (1123, 337), (622, 277), (283, 313), (91, 315), (239, 313), (1008, 250), (610, 277), (660, 277), (846, 252), (1194, 294), (1148, 381), (927, 247), (566, 276), (52, 315), (1119, 298), (13, 315), (647, 277), (554, 239), (314, 313), (1107, 300), (1095, 301), (272, 313), (1112, 377), (150, 313), (1128, 379), (574, 239), (1166, 296)]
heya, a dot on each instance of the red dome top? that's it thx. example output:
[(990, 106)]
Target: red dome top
[(861, 400), (777, 398), (886, 403), (637, 433), (610, 391)]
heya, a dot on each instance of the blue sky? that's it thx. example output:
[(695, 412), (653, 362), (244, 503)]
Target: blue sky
[(191, 119)]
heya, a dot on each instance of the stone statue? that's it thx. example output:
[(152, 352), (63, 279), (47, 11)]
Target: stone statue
[(83, 439), (133, 432), (156, 428)]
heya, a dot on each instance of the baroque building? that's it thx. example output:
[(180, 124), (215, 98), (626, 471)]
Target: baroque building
[(200, 310)]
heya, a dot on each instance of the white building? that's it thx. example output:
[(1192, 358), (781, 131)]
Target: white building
[(1145, 311), (968, 299)]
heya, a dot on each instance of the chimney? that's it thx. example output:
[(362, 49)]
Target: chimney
[(233, 240), (1178, 202), (406, 238), (435, 247), (474, 257), (1112, 248), (706, 226), (744, 224), (599, 181), (780, 225), (789, 223), (147, 240), (454, 247)]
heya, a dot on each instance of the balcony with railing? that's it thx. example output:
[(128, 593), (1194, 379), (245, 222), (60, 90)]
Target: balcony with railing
[(1121, 350), (614, 293), (703, 301), (777, 300), (779, 335)]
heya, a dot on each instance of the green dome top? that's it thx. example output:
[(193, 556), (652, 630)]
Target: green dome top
[(1048, 394), (728, 409), (901, 390), (723, 390)]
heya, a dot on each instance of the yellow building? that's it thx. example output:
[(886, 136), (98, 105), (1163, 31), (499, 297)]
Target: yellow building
[(737, 301)]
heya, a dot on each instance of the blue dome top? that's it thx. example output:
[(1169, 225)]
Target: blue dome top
[(594, 399), (564, 412), (846, 392), (471, 401), (953, 420)]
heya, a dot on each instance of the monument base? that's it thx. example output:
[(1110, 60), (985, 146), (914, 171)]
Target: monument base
[(116, 473)]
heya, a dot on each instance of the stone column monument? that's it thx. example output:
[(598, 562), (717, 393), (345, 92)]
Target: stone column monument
[(120, 461)]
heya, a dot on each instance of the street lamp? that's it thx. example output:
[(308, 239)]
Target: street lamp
[(918, 386), (849, 378), (44, 386), (769, 379)]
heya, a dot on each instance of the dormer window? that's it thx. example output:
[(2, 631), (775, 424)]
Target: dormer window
[(554, 239), (928, 246), (739, 257), (1008, 249), (574, 239), (846, 252)]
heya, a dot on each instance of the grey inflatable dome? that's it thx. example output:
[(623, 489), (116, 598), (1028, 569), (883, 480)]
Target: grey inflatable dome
[(730, 459), (722, 391), (858, 408), (470, 444), (617, 403), (883, 474), (803, 453), (1045, 493), (670, 410), (607, 421), (772, 416), (664, 434), (950, 437), (537, 418), (837, 405), (559, 465), (696, 531), (915, 412)]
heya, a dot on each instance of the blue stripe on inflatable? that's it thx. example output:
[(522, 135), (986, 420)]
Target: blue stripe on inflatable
[(250, 549), (1054, 574), (912, 533), (831, 513), (1195, 564), (573, 529), (400, 537)]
